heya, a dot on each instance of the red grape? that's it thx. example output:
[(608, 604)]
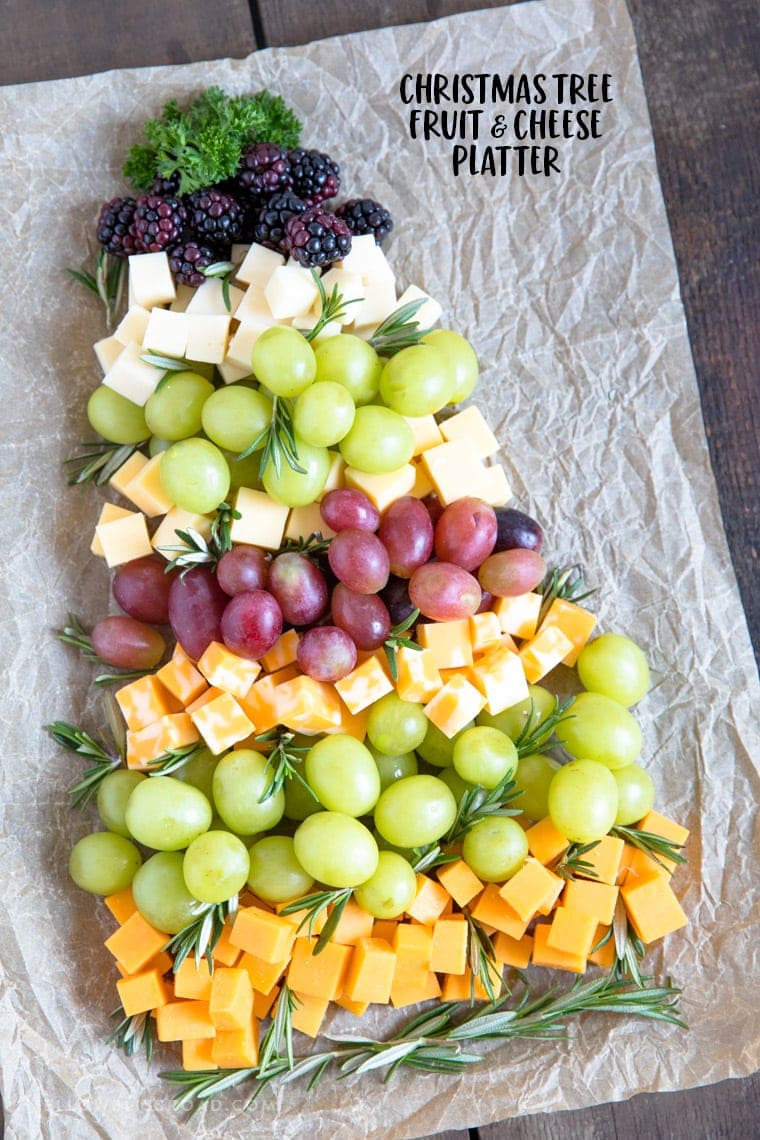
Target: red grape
[(299, 587), (364, 616), (444, 592), (127, 643), (359, 560), (345, 507), (242, 568), (141, 588), (512, 572), (196, 605), (251, 623), (466, 533), (326, 653), (407, 534)]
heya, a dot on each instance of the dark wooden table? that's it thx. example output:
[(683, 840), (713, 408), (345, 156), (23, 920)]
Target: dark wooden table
[(701, 67)]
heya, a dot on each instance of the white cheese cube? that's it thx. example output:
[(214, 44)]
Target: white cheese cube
[(231, 372), (350, 286), (238, 253), (108, 513), (107, 350), (185, 294), (150, 279), (132, 325), (209, 299), (258, 265), (379, 302), (166, 333), (471, 424), (124, 539), (305, 324), (240, 347), (290, 291), (496, 489), (262, 521), (426, 432), (254, 308), (303, 521), (429, 313), (335, 471), (165, 536), (132, 377), (207, 338), (366, 259)]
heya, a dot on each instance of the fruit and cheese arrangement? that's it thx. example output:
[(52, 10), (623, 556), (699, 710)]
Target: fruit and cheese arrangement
[(366, 746)]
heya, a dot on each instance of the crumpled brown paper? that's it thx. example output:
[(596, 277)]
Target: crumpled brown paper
[(567, 288)]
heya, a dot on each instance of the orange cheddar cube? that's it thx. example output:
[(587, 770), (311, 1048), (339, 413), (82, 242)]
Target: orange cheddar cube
[(448, 950), (518, 616), (576, 623), (237, 1048), (358, 1008), (418, 676), (262, 1003), (162, 962), (448, 641), (231, 1002), (572, 932), (495, 912), (544, 652), (511, 951), (222, 723), (263, 934), (354, 924), (454, 706), (385, 928), (282, 653), (306, 705), (260, 702), (144, 701), (421, 987), (605, 859), (545, 842), (196, 1055), (121, 904), (641, 865), (193, 980), (181, 678), (429, 902), (603, 951), (465, 987), (545, 955), (264, 975), (226, 670), (305, 924), (364, 685), (225, 953), (135, 943), (140, 993), (499, 676), (146, 490), (184, 1021), (412, 944), (318, 975), (531, 888), (596, 899), (460, 881), (370, 971), (485, 631), (652, 908), (309, 1013), (146, 745)]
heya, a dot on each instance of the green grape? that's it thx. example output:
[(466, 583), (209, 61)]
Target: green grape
[(199, 771), (495, 848), (195, 475), (614, 666), (244, 472), (284, 361), (103, 863), (299, 488), (300, 802), (437, 749), (113, 792), (635, 794), (336, 849), (167, 815), (161, 894), (343, 773), (240, 779), (116, 418), (276, 875), (533, 778), (395, 726), (380, 441), (394, 767), (415, 811), (514, 719), (350, 361), (324, 413), (391, 889), (418, 381), (484, 756), (583, 800), (461, 359), (175, 408), (600, 729), (158, 446), (453, 780), (216, 866), (235, 416)]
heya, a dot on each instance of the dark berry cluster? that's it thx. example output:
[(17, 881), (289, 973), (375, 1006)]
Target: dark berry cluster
[(276, 199)]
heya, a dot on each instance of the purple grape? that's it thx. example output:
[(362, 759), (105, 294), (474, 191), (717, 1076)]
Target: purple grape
[(345, 507), (127, 643), (242, 568), (251, 623), (299, 587), (326, 653), (141, 588), (196, 605), (359, 560), (364, 616), (516, 529), (396, 597), (407, 534)]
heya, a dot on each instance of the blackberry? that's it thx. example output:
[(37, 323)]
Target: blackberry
[(365, 216), (269, 225), (188, 259), (166, 187), (316, 238), (214, 217), (114, 221), (315, 176), (264, 171), (158, 223)]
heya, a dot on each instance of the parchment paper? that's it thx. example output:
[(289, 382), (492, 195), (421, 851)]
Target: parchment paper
[(567, 288)]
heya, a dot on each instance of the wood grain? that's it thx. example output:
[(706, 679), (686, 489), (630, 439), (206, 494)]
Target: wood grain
[(52, 39)]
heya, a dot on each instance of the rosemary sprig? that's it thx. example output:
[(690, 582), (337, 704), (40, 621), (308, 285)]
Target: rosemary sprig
[(441, 1039), (166, 364), (629, 949), (572, 862), (396, 641), (314, 906), (107, 282), (75, 634), (284, 761), (399, 330), (477, 803), (172, 760), (103, 759), (277, 1044), (195, 550), (563, 582), (132, 1033), (432, 855), (278, 439), (332, 308), (97, 462), (657, 847), (537, 730), (200, 936), (313, 543), (222, 270), (481, 957)]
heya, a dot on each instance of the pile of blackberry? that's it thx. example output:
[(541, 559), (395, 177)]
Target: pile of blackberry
[(277, 199)]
